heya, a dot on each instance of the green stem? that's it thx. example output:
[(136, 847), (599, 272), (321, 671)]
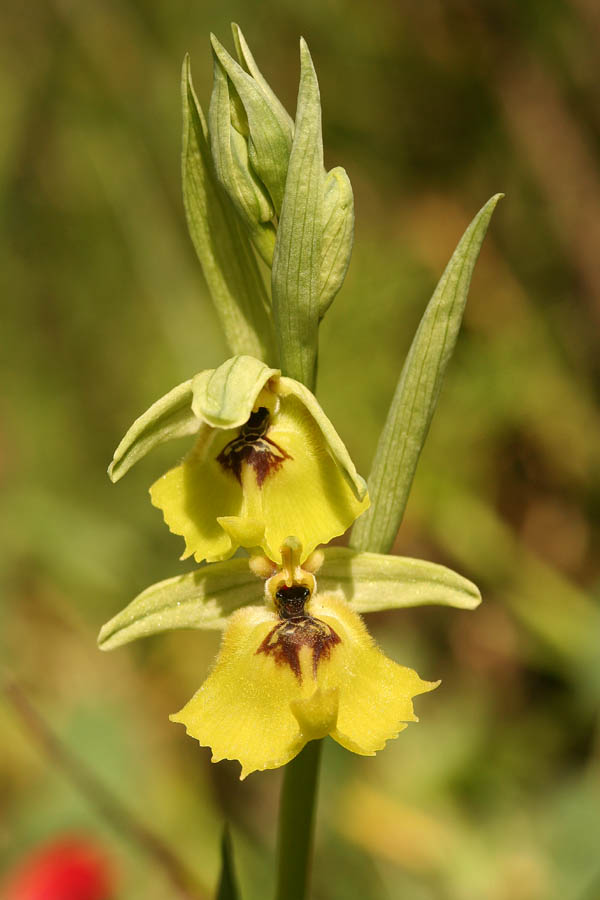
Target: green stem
[(296, 823)]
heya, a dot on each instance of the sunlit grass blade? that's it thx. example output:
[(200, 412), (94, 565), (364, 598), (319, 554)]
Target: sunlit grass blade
[(297, 259), (417, 393), (228, 885), (200, 599), (227, 258), (374, 581)]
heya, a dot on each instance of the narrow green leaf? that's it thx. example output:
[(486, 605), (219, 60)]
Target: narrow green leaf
[(224, 397), (297, 260), (232, 168), (168, 418), (248, 63), (200, 599), (228, 886), (374, 581), (227, 258), (270, 139), (338, 235), (417, 393)]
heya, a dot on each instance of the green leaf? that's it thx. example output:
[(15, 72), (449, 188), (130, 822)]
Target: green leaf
[(224, 397), (335, 444), (297, 261), (417, 393), (338, 235), (228, 887), (227, 258), (168, 418), (269, 139), (200, 599), (374, 581), (232, 168)]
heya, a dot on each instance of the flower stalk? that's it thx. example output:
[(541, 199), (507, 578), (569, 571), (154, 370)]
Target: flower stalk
[(297, 815)]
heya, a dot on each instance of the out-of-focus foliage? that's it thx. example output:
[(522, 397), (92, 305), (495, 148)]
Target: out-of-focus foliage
[(431, 108)]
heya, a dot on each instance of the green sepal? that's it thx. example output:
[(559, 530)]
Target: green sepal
[(373, 581), (296, 270), (170, 417), (335, 444), (248, 63), (228, 888), (224, 397), (201, 599), (269, 139), (230, 157), (227, 258), (338, 235), (417, 393)]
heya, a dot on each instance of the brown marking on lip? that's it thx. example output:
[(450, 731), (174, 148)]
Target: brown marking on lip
[(285, 641), (252, 446)]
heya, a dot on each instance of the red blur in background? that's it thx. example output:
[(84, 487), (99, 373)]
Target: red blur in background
[(71, 868)]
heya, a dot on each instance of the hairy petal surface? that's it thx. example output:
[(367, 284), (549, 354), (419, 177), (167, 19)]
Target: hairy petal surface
[(264, 699), (375, 693)]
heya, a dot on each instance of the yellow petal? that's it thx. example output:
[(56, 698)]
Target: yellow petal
[(318, 713), (375, 693), (307, 495), (242, 711), (194, 494), (244, 532), (279, 683)]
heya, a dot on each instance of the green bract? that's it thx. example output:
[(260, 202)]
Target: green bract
[(338, 235), (296, 277), (255, 181), (232, 166), (228, 262), (269, 134), (416, 395)]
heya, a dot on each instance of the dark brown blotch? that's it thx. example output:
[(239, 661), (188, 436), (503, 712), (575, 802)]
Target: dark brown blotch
[(252, 446), (285, 641)]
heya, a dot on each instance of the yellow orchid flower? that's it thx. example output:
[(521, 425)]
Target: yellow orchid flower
[(299, 667), (266, 462)]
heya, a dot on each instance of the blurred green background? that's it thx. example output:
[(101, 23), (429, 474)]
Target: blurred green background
[(431, 108)]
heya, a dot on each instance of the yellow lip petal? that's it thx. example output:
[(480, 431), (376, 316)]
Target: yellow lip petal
[(192, 496), (244, 532), (279, 683), (375, 693), (316, 715), (242, 711), (307, 495)]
